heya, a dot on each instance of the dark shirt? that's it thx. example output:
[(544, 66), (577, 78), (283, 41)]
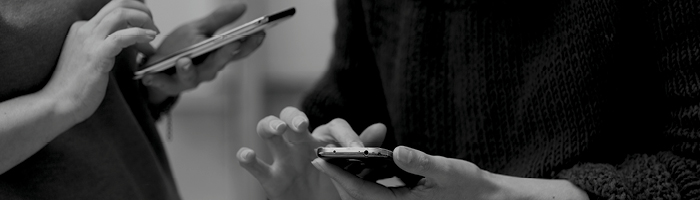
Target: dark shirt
[(602, 93), (114, 154)]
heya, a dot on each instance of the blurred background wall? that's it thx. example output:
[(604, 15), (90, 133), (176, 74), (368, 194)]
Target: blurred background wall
[(211, 123)]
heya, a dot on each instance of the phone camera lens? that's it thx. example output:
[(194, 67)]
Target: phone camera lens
[(366, 152)]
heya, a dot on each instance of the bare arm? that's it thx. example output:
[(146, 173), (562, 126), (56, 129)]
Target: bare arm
[(27, 123), (78, 84)]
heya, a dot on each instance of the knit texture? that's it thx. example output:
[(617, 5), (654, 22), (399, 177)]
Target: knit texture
[(603, 93)]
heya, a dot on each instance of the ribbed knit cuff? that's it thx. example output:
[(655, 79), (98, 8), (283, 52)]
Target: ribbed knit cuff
[(600, 181), (641, 176)]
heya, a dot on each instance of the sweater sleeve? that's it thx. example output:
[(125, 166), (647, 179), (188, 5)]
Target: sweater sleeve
[(673, 172), (351, 88)]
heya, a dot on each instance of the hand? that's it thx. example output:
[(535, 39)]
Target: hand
[(88, 54), (291, 175), (188, 76), (447, 179)]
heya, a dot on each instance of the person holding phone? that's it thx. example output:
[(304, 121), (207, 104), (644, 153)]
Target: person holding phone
[(500, 100), (73, 122)]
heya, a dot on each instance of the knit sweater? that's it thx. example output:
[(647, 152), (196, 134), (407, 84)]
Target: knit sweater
[(114, 154), (602, 93)]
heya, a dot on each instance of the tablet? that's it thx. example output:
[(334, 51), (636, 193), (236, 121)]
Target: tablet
[(217, 41)]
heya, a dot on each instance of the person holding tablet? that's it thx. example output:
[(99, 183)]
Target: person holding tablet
[(73, 122), (500, 99)]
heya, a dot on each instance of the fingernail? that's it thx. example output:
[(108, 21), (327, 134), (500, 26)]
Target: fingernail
[(276, 124), (243, 154), (248, 155), (235, 52), (298, 120), (316, 164), (403, 154), (184, 63), (187, 67), (151, 33)]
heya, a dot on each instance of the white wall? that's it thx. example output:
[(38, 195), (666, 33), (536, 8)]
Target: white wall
[(212, 122)]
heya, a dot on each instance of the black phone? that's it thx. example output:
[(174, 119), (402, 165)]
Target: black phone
[(369, 163), (366, 157), (201, 49)]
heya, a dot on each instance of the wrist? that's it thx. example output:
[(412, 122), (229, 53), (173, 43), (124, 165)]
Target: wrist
[(60, 106), (56, 111), (75, 98), (510, 187), (505, 189)]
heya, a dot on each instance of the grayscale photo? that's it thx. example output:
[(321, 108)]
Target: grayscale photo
[(349, 99)]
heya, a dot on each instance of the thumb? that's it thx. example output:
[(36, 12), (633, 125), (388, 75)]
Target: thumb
[(373, 136), (145, 48), (416, 162), (222, 16)]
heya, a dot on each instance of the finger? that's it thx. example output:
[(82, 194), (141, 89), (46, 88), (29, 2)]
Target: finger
[(248, 160), (270, 129), (419, 163), (343, 134), (353, 186), (299, 124), (163, 82), (341, 191), (325, 134), (231, 52), (297, 119), (115, 42), (373, 136), (121, 18), (186, 74), (249, 46), (398, 192), (322, 134), (225, 14), (146, 48), (131, 4), (208, 69)]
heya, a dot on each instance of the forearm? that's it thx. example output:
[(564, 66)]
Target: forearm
[(28, 123), (536, 189)]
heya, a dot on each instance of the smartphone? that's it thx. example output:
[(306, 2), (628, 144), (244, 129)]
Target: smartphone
[(217, 41), (353, 152), (365, 157), (369, 163)]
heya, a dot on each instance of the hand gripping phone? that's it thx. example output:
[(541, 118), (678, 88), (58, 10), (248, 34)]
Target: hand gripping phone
[(369, 163), (366, 157), (217, 41)]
